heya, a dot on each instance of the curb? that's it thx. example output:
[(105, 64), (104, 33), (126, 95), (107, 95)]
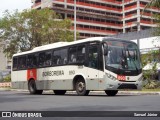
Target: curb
[(138, 93), (93, 92), (5, 89)]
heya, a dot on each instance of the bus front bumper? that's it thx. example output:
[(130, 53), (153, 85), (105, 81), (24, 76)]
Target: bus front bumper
[(118, 85)]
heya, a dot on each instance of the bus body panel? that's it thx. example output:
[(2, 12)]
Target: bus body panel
[(92, 79), (19, 79), (61, 77)]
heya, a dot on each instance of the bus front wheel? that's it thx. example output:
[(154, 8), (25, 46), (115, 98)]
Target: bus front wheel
[(32, 88), (81, 88), (111, 92)]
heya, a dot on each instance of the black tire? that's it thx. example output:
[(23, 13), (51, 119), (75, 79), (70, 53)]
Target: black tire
[(59, 92), (80, 87), (39, 92), (32, 88), (111, 92)]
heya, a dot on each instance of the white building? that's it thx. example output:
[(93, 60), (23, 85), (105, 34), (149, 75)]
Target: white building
[(148, 44), (5, 63)]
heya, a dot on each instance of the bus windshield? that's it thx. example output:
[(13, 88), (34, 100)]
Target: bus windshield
[(122, 56)]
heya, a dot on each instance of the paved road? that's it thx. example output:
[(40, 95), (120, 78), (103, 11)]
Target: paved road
[(23, 101)]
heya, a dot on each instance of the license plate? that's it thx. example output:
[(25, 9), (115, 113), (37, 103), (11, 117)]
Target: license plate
[(121, 77)]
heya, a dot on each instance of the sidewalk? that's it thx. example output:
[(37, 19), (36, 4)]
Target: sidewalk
[(93, 92)]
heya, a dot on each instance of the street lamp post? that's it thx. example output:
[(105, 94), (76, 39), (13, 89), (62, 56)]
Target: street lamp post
[(138, 30), (75, 31)]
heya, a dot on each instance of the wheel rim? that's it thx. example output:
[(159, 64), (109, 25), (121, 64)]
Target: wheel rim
[(81, 86)]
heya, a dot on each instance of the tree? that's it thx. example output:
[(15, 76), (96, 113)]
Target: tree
[(154, 3), (31, 28)]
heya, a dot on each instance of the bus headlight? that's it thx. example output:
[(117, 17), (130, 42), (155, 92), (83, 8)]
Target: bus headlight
[(111, 76)]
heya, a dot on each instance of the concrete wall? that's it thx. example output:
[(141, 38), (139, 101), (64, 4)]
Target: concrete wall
[(3, 61)]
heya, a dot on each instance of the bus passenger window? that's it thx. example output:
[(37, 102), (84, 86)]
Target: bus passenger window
[(81, 54), (31, 61), (65, 61), (72, 55), (56, 57), (93, 57), (15, 63), (34, 61), (48, 59), (64, 56), (41, 59), (22, 62), (73, 58), (60, 57)]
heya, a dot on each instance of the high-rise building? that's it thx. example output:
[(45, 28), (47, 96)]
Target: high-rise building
[(103, 17)]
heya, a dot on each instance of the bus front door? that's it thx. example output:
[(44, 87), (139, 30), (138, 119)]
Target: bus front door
[(92, 72)]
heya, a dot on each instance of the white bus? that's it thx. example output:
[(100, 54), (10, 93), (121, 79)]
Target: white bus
[(98, 63)]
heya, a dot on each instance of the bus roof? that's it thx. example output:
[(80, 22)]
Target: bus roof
[(63, 44)]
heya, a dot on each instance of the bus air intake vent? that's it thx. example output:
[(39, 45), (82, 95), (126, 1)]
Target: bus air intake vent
[(127, 86)]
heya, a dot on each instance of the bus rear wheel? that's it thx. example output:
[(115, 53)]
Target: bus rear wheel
[(32, 88), (80, 87), (111, 92), (59, 92)]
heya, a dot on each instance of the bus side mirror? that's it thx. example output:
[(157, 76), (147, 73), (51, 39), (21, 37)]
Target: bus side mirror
[(105, 49)]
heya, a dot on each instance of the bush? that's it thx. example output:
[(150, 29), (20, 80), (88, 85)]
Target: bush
[(152, 84), (7, 78)]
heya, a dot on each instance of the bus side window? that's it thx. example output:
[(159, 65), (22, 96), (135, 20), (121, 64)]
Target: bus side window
[(29, 57), (48, 59), (93, 57), (15, 63), (72, 55), (34, 60), (64, 54), (31, 61), (60, 57), (56, 57), (22, 62), (81, 54), (41, 59)]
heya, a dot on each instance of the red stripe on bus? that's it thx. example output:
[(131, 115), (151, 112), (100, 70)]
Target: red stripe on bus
[(32, 74)]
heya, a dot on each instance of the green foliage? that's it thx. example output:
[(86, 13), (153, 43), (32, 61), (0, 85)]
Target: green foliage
[(150, 75), (152, 84), (150, 56), (157, 20), (154, 3), (31, 28), (7, 78)]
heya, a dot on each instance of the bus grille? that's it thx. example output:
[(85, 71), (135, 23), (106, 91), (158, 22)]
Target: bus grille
[(127, 86)]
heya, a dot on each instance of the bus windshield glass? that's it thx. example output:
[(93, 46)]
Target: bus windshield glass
[(122, 56)]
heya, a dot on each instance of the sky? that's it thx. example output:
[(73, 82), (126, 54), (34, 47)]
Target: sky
[(12, 5)]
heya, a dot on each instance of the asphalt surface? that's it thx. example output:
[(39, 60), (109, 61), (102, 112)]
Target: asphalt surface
[(96, 101)]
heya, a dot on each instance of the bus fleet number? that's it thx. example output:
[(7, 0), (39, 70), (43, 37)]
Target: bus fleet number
[(71, 72)]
